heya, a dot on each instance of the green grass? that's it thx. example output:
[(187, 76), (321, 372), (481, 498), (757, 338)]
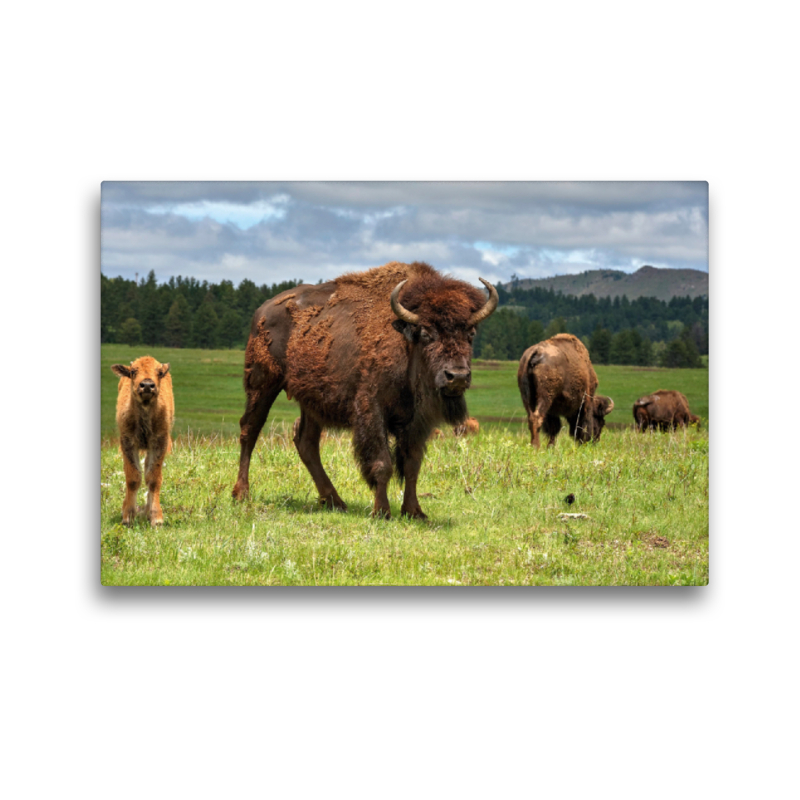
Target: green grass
[(209, 398), (493, 502)]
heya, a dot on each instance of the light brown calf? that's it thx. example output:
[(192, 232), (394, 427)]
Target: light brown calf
[(145, 413)]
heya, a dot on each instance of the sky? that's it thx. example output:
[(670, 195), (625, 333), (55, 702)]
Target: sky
[(274, 231)]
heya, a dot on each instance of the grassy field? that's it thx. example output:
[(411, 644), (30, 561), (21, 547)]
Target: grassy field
[(209, 398), (493, 502)]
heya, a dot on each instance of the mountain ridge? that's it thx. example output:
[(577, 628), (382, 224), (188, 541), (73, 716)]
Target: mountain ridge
[(647, 281)]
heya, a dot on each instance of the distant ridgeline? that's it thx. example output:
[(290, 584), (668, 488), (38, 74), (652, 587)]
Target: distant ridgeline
[(671, 331), (663, 284)]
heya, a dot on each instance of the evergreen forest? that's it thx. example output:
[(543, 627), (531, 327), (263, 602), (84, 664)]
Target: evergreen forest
[(185, 312)]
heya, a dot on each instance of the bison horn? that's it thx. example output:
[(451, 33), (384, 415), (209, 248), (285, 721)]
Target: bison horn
[(489, 307), (402, 313)]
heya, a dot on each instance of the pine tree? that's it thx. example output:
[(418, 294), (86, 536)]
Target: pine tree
[(131, 332), (623, 349), (230, 329), (557, 325), (206, 324), (600, 346), (535, 332), (178, 323)]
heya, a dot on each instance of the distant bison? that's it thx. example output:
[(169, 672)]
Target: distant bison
[(664, 410), (386, 352), (145, 413), (556, 379), (469, 427)]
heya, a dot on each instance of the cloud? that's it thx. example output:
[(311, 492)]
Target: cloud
[(274, 231)]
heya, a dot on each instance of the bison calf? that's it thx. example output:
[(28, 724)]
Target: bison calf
[(145, 413), (556, 379), (663, 410)]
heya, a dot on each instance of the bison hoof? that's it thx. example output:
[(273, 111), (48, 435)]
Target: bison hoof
[(240, 492), (381, 513), (335, 503), (413, 513)]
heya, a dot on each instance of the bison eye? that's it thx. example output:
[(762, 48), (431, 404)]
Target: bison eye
[(470, 335), (426, 336)]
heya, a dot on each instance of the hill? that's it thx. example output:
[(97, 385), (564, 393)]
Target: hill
[(645, 282)]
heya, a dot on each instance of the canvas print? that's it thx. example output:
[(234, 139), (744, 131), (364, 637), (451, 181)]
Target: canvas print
[(404, 383)]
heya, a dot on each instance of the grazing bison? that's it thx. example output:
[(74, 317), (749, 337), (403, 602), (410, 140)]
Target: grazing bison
[(664, 410), (145, 412), (467, 428), (556, 379), (386, 351)]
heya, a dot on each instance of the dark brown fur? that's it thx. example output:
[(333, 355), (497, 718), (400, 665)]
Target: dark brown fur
[(556, 379), (145, 413), (340, 351), (663, 410)]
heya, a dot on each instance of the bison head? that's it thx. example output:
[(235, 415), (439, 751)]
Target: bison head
[(439, 317), (592, 419), (145, 374)]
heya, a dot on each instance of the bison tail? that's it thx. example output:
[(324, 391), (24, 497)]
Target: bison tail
[(527, 379)]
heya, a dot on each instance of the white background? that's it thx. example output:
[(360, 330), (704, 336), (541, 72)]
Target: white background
[(387, 693)]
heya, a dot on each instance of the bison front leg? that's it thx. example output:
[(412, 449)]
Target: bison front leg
[(410, 461), (152, 475), (306, 439), (551, 426), (133, 480), (372, 452)]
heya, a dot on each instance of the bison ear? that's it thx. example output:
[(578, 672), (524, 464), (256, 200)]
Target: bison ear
[(163, 371), (407, 329), (121, 370)]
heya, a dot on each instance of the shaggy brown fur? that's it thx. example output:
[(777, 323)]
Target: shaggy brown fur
[(663, 410), (342, 353), (145, 413), (556, 379), (469, 427)]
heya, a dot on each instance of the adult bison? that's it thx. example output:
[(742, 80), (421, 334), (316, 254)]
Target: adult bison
[(386, 351), (556, 379), (145, 413), (665, 409)]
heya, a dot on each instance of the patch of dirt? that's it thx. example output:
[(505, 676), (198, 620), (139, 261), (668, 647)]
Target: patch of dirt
[(652, 539)]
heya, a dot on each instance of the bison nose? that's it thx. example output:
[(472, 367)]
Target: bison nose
[(457, 379), (147, 385)]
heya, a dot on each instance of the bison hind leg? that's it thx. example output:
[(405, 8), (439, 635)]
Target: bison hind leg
[(259, 402), (307, 433), (551, 426)]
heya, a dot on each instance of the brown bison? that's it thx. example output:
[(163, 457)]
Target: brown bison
[(382, 352), (145, 413), (556, 379), (469, 427), (664, 410)]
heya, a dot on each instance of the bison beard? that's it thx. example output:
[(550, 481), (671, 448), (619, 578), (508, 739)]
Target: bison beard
[(385, 352)]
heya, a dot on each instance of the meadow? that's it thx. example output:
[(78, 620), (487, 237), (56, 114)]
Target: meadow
[(493, 503)]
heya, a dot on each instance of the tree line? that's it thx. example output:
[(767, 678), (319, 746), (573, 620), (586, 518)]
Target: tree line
[(185, 312), (645, 331), (182, 312)]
